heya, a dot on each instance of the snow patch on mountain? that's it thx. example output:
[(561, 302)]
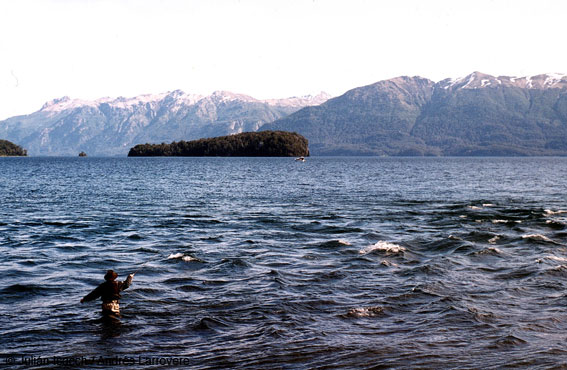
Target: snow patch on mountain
[(227, 96), (300, 101), (477, 80), (125, 103), (179, 98), (554, 78), (66, 103)]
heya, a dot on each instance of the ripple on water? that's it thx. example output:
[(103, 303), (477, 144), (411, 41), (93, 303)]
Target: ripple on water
[(260, 263)]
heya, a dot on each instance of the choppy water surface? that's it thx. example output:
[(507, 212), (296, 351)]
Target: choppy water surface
[(271, 263)]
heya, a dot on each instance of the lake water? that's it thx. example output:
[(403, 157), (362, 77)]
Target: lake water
[(271, 263)]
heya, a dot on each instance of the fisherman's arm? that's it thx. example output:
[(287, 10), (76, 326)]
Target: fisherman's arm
[(126, 283), (92, 295)]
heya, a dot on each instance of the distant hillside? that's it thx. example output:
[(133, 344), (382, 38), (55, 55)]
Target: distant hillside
[(108, 127), (248, 144), (475, 115), (9, 149)]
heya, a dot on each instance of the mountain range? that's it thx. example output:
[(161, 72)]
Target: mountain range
[(478, 114), (111, 126), (475, 115)]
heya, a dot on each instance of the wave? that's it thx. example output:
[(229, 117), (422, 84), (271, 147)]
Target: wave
[(234, 262), (22, 291), (209, 323), (384, 247), (556, 258), (334, 243), (500, 221), (365, 312), (549, 212), (183, 257), (555, 224), (508, 341), (388, 263), (317, 227), (492, 251), (192, 288), (494, 239), (538, 237), (560, 270), (552, 258)]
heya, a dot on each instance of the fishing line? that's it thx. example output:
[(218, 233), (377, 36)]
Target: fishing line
[(145, 263), (118, 242), (140, 267)]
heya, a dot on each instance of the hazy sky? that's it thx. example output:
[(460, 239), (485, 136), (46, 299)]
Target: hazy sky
[(266, 49)]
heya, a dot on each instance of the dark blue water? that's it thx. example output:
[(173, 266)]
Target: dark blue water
[(270, 263)]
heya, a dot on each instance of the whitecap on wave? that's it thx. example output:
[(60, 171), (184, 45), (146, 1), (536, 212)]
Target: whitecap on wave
[(492, 251), (388, 263), (365, 311), (494, 239), (549, 212), (384, 247), (182, 257), (498, 221), (557, 258), (334, 243), (537, 237)]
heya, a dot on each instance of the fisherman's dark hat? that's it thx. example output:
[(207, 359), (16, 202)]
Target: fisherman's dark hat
[(110, 275)]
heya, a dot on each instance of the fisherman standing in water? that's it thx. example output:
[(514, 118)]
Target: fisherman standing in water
[(109, 292)]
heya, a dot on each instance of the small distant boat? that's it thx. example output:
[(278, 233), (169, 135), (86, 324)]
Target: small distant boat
[(300, 159)]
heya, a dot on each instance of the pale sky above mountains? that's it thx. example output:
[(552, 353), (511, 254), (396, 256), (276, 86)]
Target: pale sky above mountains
[(89, 49)]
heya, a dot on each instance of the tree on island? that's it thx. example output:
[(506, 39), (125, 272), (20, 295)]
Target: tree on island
[(247, 144), (9, 149)]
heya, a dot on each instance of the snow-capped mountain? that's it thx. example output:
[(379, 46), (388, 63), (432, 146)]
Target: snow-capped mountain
[(478, 114), (110, 126), (478, 80), (181, 98)]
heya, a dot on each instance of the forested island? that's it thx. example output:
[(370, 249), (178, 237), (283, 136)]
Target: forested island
[(247, 144), (9, 149)]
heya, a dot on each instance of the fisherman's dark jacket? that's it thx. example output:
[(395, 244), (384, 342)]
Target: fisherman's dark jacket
[(109, 291)]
